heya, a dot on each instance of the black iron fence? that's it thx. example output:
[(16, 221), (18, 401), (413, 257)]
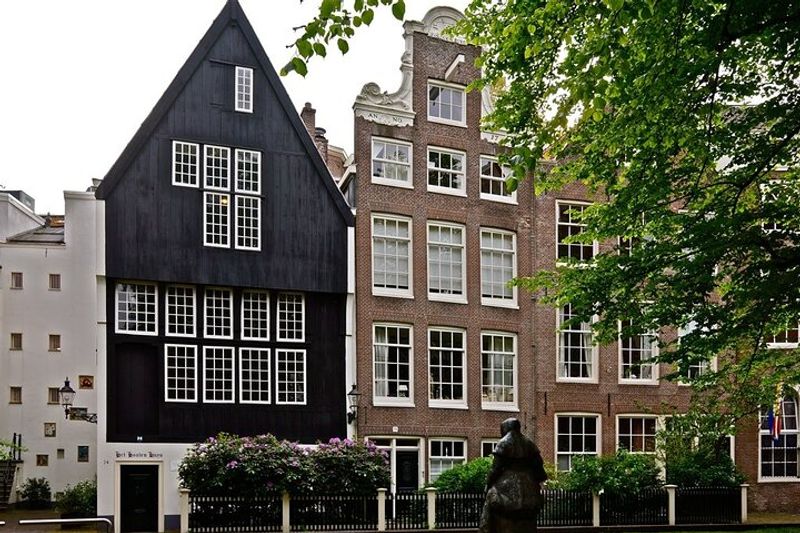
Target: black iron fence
[(456, 509), (333, 513), (407, 510), (220, 514), (706, 505), (646, 507), (566, 508)]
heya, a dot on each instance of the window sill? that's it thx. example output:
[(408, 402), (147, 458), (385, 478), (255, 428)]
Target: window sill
[(578, 381), (488, 302), (15, 288), (778, 479), (509, 408), (393, 183), (187, 185), (444, 404), (390, 403), (645, 382), (447, 122), (449, 192), (445, 299), (511, 200), (389, 294)]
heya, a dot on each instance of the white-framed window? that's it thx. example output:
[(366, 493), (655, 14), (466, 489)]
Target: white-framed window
[(218, 312), (391, 162), (291, 376), (185, 165), (255, 315), (254, 375), (391, 256), (447, 171), (244, 89), (637, 433), (137, 308), (248, 222), (569, 224), (217, 167), (576, 435), (216, 227), (787, 338), (392, 364), (180, 373), (498, 370), (54, 282), (444, 454), (493, 181), (446, 103), (576, 355), (16, 280), (291, 317), (447, 367), (778, 457), (181, 311), (636, 355), (219, 374), (248, 171), (498, 267), (447, 278), (488, 446)]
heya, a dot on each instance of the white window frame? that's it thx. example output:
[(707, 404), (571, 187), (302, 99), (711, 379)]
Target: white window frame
[(195, 179), (243, 332), (241, 87), (225, 205), (409, 183), (169, 316), (282, 332), (391, 401), (230, 354), (225, 155), (571, 453), (445, 458), (594, 353), (489, 405), (453, 87), (440, 297), (206, 323), (255, 229), (766, 432), (460, 191), (785, 345), (393, 292), (510, 199), (658, 425), (492, 442), (117, 328), (262, 351), (454, 403), (493, 301), (710, 365), (653, 379), (595, 245), (196, 369), (278, 382), (255, 168)]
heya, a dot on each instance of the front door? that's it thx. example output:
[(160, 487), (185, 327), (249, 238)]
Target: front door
[(138, 498), (407, 469)]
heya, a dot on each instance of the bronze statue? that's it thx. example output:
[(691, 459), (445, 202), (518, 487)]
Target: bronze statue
[(513, 496)]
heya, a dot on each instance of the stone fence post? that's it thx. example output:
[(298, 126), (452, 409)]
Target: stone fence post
[(430, 492), (671, 503), (183, 499), (744, 487), (286, 524), (381, 509), (595, 509)]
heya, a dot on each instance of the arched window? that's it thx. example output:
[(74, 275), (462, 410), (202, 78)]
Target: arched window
[(778, 458)]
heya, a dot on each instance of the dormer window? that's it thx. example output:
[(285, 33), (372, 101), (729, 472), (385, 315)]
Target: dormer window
[(244, 89), (446, 103)]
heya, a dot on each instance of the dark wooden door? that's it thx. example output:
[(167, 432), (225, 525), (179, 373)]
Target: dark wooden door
[(407, 471), (138, 498)]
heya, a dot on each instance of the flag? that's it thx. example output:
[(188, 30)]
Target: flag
[(774, 417)]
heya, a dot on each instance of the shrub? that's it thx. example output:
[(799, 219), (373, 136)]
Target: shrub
[(79, 501), (35, 492), (703, 468), (343, 466), (467, 477), (622, 473)]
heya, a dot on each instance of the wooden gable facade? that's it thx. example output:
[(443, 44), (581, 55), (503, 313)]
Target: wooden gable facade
[(226, 259)]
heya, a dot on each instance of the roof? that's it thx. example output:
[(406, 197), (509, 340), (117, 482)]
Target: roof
[(41, 235), (232, 13)]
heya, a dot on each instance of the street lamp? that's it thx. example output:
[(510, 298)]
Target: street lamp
[(66, 396), (353, 398)]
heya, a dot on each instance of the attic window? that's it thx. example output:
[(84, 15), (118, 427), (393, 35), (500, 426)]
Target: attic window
[(244, 89)]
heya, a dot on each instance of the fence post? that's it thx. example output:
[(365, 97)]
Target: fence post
[(286, 524), (671, 503), (595, 509), (184, 506), (744, 502), (431, 493), (381, 509)]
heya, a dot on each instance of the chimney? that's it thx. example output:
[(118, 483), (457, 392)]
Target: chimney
[(309, 116), (322, 143)]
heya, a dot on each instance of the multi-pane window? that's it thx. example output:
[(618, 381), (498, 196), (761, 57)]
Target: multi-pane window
[(52, 396), (180, 311), (255, 315), (636, 355), (16, 280), (54, 282), (637, 434), (575, 351), (216, 228), (291, 317), (778, 457), (444, 455), (137, 308), (487, 447), (290, 376), (248, 171), (15, 395), (446, 104), (446, 370), (217, 167), (248, 222), (218, 305), (244, 89), (15, 342), (498, 267), (698, 369), (54, 342), (392, 362), (391, 255), (391, 162), (180, 373), (446, 262), (446, 171), (493, 181), (254, 375), (575, 436), (787, 338), (185, 163), (498, 369), (218, 373), (570, 225)]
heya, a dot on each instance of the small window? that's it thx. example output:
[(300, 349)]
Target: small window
[(575, 436), (16, 280), (54, 282), (218, 313), (488, 446), (446, 262), (254, 375), (42, 460), (15, 395), (391, 256), (244, 89), (637, 434), (136, 308), (59, 453), (447, 171), (787, 338), (216, 230), (291, 376), (444, 455), (83, 454), (446, 104), (575, 350), (52, 396), (180, 373), (498, 267), (217, 167), (391, 163), (54, 343), (447, 372), (248, 223), (248, 171), (493, 181), (498, 370), (291, 317), (255, 315), (571, 225), (181, 311), (49, 429), (184, 164), (16, 341), (218, 363)]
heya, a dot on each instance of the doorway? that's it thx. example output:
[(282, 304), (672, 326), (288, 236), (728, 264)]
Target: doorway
[(138, 498)]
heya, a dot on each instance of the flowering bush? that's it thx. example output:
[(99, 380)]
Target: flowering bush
[(228, 464)]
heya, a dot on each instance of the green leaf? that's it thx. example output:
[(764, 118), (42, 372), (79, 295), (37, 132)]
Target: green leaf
[(367, 16), (287, 68), (320, 50), (615, 5), (343, 46), (304, 47), (300, 66), (597, 116), (358, 5), (327, 8), (399, 9), (356, 21)]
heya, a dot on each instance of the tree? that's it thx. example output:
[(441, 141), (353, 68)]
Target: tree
[(681, 117)]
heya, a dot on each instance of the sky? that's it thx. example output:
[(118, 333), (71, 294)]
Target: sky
[(80, 76)]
